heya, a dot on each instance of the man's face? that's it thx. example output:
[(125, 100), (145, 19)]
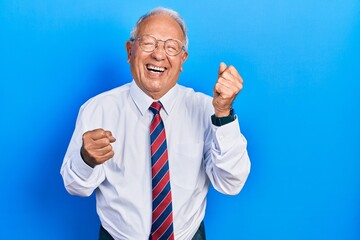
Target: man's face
[(156, 72)]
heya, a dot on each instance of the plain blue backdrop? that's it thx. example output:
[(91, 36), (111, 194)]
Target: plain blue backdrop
[(299, 109)]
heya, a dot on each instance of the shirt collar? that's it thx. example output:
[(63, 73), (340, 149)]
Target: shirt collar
[(143, 101)]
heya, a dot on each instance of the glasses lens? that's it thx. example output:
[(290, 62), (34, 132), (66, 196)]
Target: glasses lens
[(172, 47), (147, 43)]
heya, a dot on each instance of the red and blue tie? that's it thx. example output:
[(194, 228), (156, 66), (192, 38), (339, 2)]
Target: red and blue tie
[(162, 217)]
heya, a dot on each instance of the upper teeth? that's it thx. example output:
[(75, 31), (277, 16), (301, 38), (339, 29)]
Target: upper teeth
[(160, 69)]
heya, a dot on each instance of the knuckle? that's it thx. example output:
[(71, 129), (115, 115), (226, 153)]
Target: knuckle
[(108, 148), (225, 74), (85, 135), (86, 146), (111, 154), (106, 141), (233, 70), (87, 143), (101, 132)]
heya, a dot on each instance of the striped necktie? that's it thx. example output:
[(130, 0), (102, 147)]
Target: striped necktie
[(162, 217)]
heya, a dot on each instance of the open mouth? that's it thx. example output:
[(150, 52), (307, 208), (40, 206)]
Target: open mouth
[(156, 69)]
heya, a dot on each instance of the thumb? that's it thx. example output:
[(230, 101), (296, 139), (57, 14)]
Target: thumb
[(222, 68), (110, 137)]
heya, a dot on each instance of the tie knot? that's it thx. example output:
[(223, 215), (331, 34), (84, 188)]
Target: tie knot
[(155, 107)]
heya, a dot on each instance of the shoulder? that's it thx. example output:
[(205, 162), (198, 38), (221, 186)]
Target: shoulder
[(195, 100), (108, 99), (190, 94)]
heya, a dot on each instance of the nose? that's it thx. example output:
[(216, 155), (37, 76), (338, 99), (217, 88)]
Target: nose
[(159, 52)]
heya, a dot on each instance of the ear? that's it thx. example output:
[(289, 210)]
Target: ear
[(129, 45), (184, 57)]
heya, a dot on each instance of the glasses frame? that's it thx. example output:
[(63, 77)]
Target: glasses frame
[(157, 44)]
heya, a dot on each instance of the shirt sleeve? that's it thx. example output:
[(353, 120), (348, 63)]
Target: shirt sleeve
[(227, 162), (79, 178)]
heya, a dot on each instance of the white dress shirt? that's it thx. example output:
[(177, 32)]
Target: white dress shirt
[(199, 153)]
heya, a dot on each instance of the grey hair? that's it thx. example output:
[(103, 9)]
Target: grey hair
[(161, 10)]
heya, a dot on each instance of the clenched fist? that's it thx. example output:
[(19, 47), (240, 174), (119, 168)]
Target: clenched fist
[(228, 85), (96, 148)]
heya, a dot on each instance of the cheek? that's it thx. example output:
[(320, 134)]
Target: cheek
[(176, 63), (135, 67), (137, 63), (136, 54)]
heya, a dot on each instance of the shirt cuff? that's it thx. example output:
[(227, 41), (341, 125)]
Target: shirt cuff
[(80, 168), (227, 135)]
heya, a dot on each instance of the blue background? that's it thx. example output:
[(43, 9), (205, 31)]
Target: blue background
[(300, 109)]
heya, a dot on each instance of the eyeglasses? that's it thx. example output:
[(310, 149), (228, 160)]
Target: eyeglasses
[(148, 44)]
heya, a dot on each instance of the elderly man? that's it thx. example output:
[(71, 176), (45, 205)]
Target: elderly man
[(151, 148)]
